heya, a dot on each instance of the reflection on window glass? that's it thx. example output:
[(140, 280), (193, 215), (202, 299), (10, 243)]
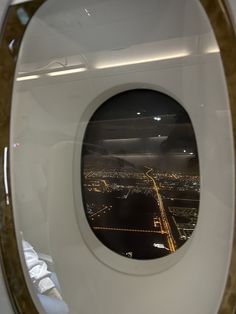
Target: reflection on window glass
[(140, 174), (44, 280)]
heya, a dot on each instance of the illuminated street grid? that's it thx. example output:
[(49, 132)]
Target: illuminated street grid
[(141, 213)]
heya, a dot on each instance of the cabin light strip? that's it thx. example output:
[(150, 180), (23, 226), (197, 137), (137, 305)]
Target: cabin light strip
[(52, 73), (114, 65), (146, 60), (27, 77), (65, 72), (14, 2), (213, 50)]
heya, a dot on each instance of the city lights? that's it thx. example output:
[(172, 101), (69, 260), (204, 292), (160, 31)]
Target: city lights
[(166, 221)]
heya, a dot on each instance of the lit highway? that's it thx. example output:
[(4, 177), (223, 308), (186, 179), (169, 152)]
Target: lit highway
[(165, 222)]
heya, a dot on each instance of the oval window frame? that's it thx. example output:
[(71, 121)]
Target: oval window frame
[(98, 249), (222, 26)]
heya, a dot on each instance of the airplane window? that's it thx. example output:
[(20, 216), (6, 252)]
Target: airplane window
[(100, 160), (140, 174)]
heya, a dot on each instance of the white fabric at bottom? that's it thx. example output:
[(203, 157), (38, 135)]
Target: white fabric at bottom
[(37, 268)]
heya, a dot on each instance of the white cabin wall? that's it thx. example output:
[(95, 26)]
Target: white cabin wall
[(5, 306)]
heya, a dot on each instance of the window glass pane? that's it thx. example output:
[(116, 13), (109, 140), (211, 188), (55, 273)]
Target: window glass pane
[(140, 174)]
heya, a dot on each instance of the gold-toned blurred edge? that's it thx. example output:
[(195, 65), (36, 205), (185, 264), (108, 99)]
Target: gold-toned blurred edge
[(12, 29), (226, 38), (11, 37)]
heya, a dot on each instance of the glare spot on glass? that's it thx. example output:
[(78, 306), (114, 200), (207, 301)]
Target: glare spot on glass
[(5, 175), (23, 16), (160, 246), (11, 44), (86, 10)]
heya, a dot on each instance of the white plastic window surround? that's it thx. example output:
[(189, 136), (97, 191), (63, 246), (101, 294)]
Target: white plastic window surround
[(208, 109)]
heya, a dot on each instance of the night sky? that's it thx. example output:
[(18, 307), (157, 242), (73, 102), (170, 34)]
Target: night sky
[(143, 127), (148, 102)]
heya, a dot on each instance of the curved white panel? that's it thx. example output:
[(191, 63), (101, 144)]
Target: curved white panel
[(75, 55)]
